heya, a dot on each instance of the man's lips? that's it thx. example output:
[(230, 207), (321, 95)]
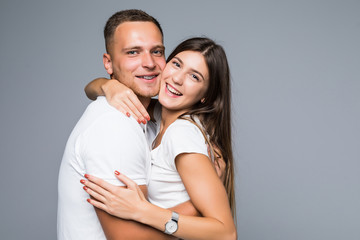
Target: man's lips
[(148, 77), (173, 91)]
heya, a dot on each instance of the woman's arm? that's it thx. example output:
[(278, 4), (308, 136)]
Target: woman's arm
[(117, 228), (205, 189), (119, 96), (208, 195)]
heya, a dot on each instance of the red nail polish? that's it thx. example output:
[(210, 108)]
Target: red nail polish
[(88, 200), (82, 181), (148, 118), (117, 173), (139, 121), (144, 121), (128, 114), (86, 175), (85, 188)]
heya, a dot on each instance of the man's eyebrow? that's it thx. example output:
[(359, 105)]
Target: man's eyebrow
[(162, 47), (192, 69), (132, 48), (159, 46)]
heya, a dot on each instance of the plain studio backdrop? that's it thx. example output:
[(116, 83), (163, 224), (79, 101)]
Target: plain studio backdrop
[(296, 106)]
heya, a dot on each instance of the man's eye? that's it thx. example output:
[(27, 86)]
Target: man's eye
[(158, 52), (131, 52)]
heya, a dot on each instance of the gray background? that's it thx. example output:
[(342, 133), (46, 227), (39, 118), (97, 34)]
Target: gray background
[(296, 106)]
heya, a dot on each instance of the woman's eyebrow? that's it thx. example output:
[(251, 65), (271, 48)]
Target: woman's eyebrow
[(192, 69)]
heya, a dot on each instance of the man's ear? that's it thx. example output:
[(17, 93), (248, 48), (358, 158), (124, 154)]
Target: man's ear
[(107, 63)]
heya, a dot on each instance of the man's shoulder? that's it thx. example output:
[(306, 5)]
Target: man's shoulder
[(101, 105), (100, 116), (101, 110)]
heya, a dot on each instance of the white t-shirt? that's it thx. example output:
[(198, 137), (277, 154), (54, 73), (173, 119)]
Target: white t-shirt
[(104, 140), (165, 187)]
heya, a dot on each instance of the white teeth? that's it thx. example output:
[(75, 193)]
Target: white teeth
[(148, 77), (172, 90)]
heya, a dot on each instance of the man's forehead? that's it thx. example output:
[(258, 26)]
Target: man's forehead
[(138, 34)]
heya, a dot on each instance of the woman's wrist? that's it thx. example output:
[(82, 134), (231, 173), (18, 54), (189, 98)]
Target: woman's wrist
[(108, 85), (152, 215)]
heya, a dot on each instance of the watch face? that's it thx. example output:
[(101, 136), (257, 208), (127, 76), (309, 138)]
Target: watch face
[(171, 226)]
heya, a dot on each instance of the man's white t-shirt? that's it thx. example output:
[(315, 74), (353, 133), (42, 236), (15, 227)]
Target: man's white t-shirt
[(104, 140), (165, 188)]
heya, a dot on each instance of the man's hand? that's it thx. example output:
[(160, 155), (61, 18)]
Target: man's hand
[(219, 163)]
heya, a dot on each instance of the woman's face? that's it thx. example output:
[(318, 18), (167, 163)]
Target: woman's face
[(184, 82)]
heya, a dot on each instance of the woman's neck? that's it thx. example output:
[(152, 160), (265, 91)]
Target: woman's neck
[(167, 118)]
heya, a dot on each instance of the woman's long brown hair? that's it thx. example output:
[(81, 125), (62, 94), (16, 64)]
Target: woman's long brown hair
[(214, 112)]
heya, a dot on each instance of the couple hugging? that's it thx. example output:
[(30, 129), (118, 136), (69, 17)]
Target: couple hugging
[(151, 169)]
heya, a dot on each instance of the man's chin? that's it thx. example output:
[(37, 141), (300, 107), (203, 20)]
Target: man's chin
[(146, 94)]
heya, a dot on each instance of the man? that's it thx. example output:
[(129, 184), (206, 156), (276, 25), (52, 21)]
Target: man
[(105, 140)]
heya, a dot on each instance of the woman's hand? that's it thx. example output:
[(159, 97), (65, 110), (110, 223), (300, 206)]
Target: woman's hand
[(124, 99), (123, 202)]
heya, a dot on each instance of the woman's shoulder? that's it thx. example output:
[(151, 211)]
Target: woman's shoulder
[(184, 124), (184, 129), (183, 136)]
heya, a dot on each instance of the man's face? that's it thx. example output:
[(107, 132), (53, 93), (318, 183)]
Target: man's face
[(136, 57)]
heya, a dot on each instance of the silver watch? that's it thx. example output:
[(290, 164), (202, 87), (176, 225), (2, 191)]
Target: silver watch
[(172, 225)]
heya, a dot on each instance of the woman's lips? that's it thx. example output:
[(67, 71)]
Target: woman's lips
[(170, 89)]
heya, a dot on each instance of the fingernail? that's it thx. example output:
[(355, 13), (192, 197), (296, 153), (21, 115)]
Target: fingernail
[(85, 188), (144, 121), (139, 121), (117, 173), (148, 118), (88, 200), (82, 181), (128, 114), (86, 175)]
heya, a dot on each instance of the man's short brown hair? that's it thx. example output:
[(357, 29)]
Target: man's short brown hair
[(130, 15)]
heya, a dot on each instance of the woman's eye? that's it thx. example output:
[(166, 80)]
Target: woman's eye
[(195, 77), (176, 64)]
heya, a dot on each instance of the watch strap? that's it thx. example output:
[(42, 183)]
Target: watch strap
[(175, 216), (174, 220)]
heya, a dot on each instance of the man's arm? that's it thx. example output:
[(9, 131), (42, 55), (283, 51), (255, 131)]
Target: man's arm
[(120, 229)]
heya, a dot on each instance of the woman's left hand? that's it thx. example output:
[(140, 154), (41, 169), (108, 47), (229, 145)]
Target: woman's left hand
[(122, 202)]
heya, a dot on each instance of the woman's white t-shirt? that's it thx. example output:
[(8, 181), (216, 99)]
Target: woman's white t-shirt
[(165, 188)]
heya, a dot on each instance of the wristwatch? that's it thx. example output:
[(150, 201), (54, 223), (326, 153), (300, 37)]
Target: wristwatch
[(172, 225)]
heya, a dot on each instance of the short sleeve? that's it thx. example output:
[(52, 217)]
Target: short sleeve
[(114, 142), (183, 137)]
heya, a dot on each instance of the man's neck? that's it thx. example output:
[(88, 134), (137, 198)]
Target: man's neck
[(145, 101)]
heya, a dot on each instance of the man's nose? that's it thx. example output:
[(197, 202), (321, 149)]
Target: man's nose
[(148, 61)]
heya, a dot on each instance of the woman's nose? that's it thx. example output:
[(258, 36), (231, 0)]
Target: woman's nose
[(178, 77)]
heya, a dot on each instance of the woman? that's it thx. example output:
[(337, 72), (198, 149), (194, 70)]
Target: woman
[(195, 113)]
